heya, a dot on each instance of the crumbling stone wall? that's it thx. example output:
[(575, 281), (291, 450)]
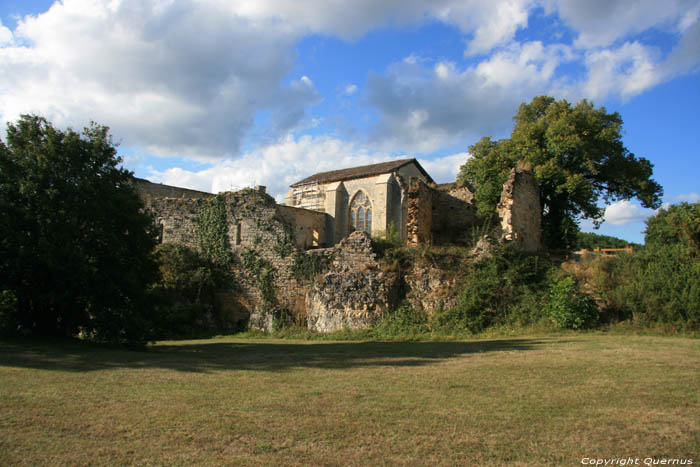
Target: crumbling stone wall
[(354, 293), (520, 211), (439, 216), (419, 224), (308, 227), (454, 216), (261, 238), (148, 190)]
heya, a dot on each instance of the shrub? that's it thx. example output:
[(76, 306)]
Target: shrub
[(569, 308), (186, 289), (389, 240), (404, 321), (660, 285), (506, 287)]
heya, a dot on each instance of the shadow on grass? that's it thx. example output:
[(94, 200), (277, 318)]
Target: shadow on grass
[(62, 355)]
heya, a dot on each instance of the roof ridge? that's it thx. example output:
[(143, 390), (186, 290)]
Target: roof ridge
[(359, 172)]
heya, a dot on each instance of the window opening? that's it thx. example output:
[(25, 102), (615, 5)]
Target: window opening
[(361, 213)]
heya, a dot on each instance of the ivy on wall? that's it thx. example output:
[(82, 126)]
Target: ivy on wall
[(212, 232)]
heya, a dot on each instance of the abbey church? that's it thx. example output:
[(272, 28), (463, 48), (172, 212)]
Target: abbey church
[(370, 198)]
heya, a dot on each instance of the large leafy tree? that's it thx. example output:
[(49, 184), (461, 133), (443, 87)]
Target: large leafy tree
[(578, 157), (75, 244)]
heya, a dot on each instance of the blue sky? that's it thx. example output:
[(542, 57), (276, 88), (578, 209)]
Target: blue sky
[(218, 95)]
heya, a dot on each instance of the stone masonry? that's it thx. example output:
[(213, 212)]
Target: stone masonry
[(268, 240)]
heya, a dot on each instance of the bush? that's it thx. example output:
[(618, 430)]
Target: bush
[(504, 288), (569, 308), (660, 285), (187, 287), (404, 321)]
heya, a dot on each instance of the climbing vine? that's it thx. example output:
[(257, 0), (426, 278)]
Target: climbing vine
[(263, 271), (306, 266), (266, 285), (212, 232)]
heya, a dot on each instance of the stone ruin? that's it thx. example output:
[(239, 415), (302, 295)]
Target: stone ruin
[(350, 291)]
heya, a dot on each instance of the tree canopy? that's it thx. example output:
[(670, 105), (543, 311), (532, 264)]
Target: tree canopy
[(678, 224), (578, 158), (75, 244)]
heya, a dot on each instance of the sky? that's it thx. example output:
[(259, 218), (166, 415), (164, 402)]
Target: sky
[(219, 95)]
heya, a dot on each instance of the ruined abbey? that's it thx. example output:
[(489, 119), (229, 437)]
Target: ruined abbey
[(327, 221)]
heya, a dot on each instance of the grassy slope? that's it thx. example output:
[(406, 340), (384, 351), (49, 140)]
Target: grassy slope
[(523, 401)]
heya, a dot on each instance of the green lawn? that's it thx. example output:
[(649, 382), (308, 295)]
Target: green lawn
[(232, 401)]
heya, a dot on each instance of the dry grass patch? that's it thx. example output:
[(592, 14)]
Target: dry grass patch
[(229, 401)]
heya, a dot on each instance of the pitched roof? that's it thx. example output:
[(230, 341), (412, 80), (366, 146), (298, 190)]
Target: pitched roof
[(361, 172)]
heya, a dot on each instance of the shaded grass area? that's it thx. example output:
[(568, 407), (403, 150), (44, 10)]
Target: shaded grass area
[(524, 401)]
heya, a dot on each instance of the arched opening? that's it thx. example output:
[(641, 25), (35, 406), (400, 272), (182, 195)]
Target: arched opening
[(361, 213)]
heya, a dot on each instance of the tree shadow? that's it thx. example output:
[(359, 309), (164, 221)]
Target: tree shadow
[(250, 354)]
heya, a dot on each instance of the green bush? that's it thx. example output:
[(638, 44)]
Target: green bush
[(660, 285), (186, 290), (508, 287), (569, 308), (404, 321)]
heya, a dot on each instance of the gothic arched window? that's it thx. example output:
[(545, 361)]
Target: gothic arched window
[(361, 213)]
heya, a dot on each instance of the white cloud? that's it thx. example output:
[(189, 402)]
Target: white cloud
[(276, 166), (625, 212), (182, 78), (423, 109), (600, 23), (445, 169), (626, 71), (488, 24), (350, 89), (689, 197), (203, 78), (5, 35)]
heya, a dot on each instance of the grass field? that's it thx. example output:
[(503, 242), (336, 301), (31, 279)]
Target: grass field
[(232, 401)]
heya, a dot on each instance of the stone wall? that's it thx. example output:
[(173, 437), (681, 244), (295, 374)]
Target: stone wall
[(454, 216), (520, 211), (419, 225), (439, 216), (308, 227), (354, 293), (147, 189), (351, 291)]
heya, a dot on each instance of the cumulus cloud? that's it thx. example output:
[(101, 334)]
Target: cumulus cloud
[(445, 169), (488, 24), (205, 78), (279, 165), (423, 109), (625, 71), (5, 35), (180, 78), (600, 23), (625, 212)]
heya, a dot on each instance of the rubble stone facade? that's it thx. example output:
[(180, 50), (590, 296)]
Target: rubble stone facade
[(350, 290)]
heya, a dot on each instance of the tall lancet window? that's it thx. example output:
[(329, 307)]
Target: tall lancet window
[(361, 213)]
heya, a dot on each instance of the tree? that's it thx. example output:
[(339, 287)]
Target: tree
[(678, 224), (75, 243), (578, 158)]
